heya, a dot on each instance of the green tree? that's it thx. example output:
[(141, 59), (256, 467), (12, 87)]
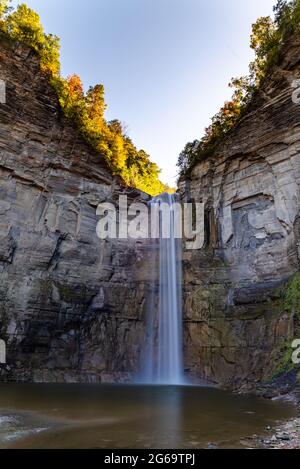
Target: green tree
[(266, 40), (24, 25), (50, 54), (188, 155), (4, 9), (287, 17)]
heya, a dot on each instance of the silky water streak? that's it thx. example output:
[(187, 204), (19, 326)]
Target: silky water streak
[(162, 358)]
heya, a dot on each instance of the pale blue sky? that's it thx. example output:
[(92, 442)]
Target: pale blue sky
[(165, 64)]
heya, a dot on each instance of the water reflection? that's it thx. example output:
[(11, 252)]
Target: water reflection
[(169, 419)]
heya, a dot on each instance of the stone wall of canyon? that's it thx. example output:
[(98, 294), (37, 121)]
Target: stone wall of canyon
[(71, 305), (236, 326)]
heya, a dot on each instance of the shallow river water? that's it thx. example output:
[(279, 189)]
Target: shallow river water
[(131, 416)]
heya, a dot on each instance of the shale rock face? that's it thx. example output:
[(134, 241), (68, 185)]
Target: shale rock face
[(235, 323), (71, 305)]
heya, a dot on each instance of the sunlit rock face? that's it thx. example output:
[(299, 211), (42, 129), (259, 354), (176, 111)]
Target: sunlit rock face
[(235, 322), (71, 305)]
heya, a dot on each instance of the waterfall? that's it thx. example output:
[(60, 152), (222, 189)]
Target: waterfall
[(163, 355)]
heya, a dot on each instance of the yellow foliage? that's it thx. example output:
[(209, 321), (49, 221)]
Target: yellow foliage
[(85, 109)]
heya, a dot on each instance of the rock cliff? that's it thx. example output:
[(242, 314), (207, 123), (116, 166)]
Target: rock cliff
[(237, 328), (71, 305)]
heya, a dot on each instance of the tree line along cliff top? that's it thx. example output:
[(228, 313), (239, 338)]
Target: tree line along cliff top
[(109, 138), (267, 40), (86, 109)]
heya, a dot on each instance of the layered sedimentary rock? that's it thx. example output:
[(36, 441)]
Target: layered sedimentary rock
[(71, 305), (236, 324)]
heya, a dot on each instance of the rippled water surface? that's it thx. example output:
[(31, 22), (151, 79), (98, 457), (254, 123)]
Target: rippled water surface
[(131, 416)]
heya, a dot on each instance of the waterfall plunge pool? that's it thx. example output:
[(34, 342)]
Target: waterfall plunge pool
[(132, 416)]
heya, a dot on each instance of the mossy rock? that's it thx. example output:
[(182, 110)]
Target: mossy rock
[(286, 364), (292, 296), (72, 293), (290, 303)]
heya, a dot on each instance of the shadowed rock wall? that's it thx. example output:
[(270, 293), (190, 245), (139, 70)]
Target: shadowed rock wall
[(71, 305), (236, 325)]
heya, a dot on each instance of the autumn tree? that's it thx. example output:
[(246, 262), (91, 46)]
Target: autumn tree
[(96, 104), (85, 109), (75, 87)]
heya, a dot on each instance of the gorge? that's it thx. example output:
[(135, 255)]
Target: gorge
[(73, 307)]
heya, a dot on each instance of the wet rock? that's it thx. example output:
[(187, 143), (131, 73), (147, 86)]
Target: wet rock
[(286, 437), (282, 436), (212, 446)]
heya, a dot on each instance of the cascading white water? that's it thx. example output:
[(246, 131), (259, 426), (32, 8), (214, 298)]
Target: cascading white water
[(163, 357)]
